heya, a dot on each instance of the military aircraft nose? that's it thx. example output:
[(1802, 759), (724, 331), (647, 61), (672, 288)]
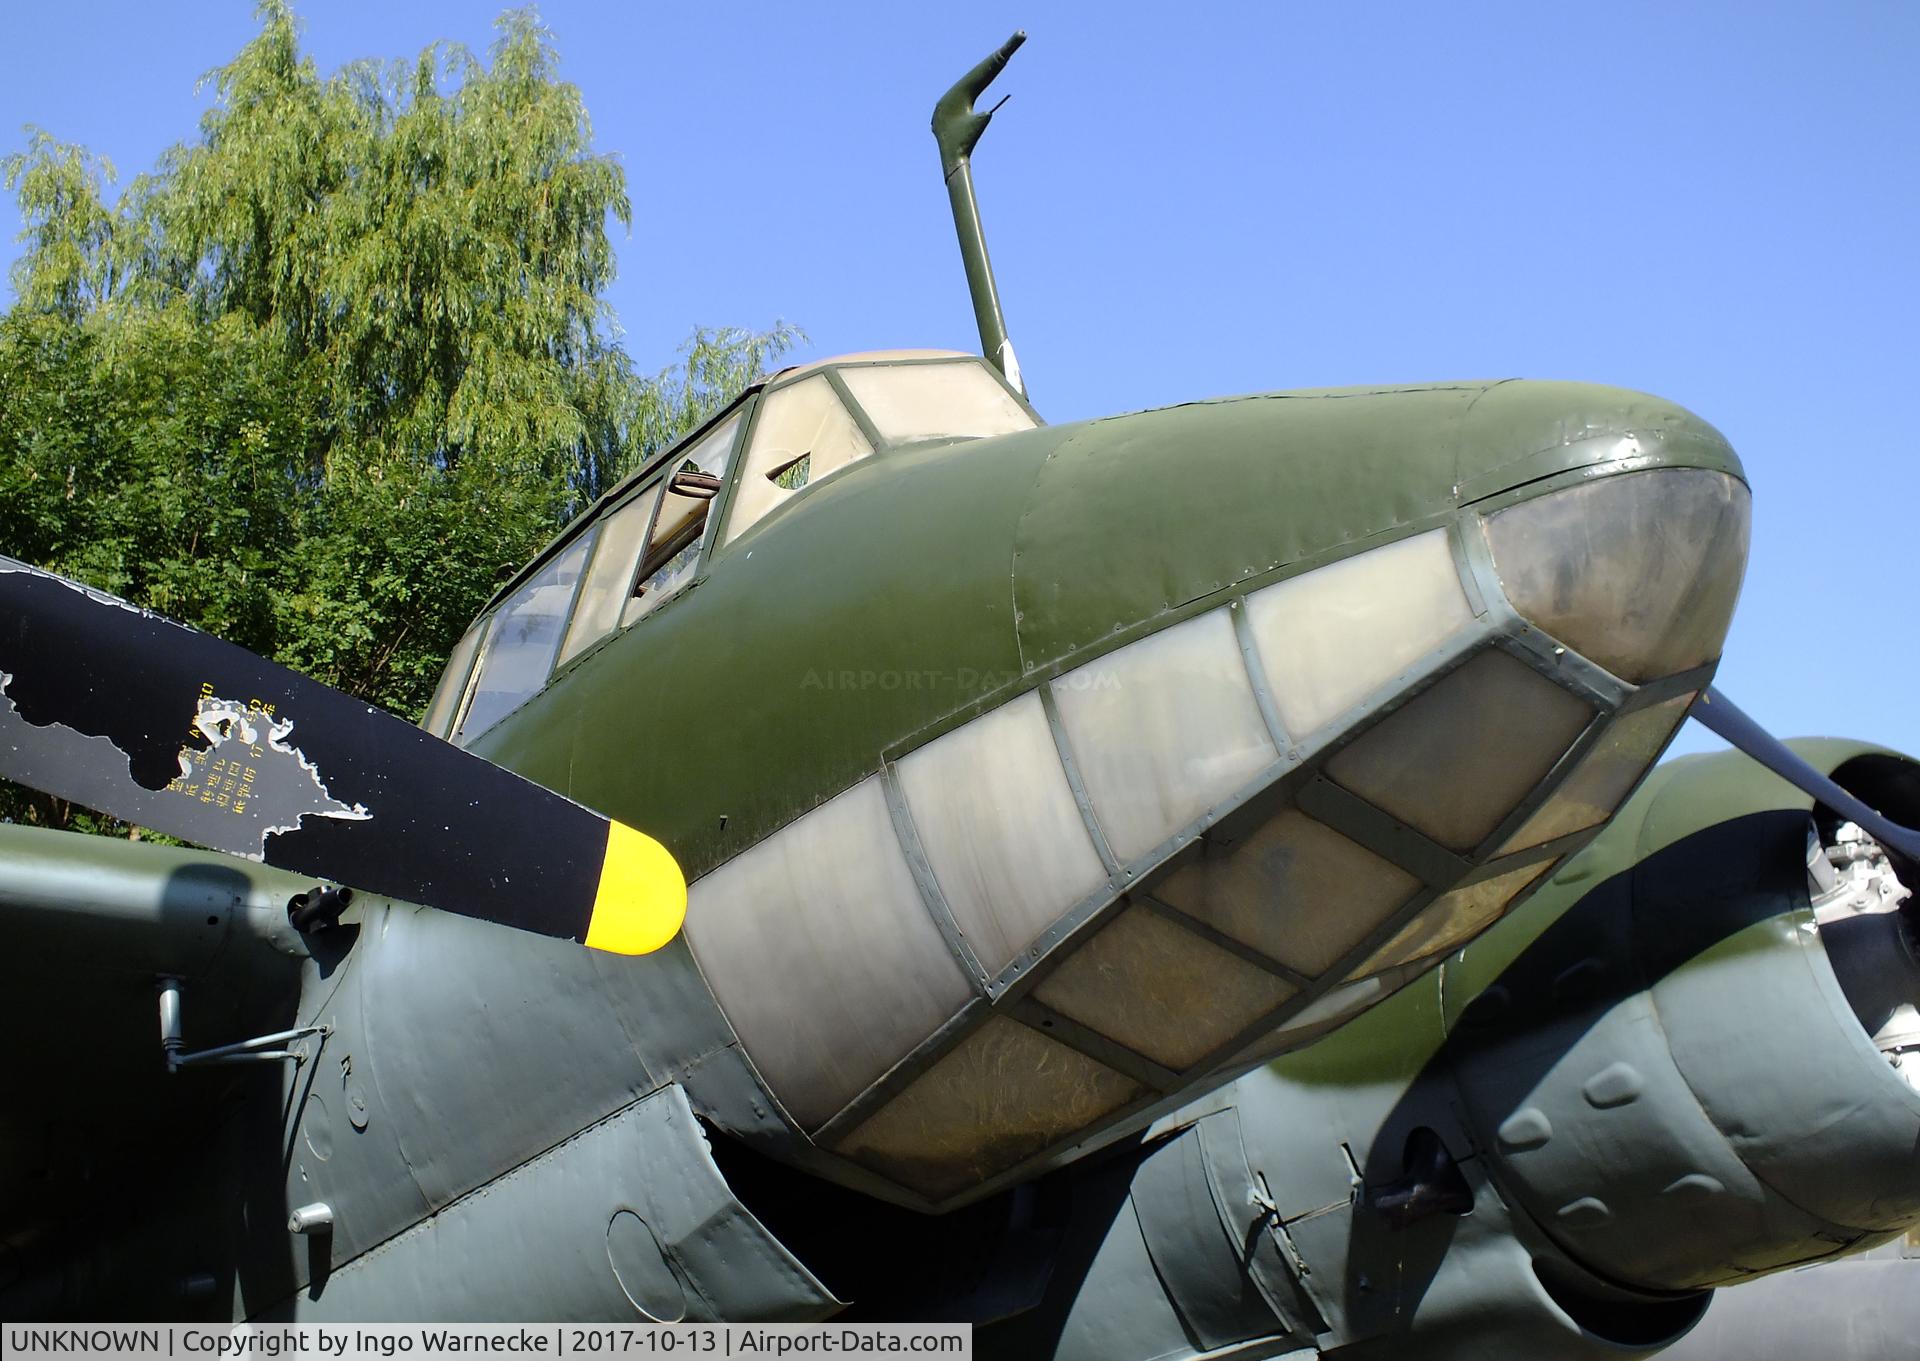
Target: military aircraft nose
[(1310, 689)]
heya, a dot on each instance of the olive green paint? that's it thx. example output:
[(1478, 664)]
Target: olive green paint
[(921, 585)]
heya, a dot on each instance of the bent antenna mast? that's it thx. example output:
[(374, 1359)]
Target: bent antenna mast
[(957, 127)]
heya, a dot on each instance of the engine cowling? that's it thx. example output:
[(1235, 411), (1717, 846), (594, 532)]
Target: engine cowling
[(1700, 1073)]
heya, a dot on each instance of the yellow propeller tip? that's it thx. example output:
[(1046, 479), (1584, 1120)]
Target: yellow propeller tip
[(642, 899)]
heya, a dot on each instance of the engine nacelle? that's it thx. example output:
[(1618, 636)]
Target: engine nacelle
[(1678, 1081)]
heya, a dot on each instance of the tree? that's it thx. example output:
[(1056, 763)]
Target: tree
[(337, 366)]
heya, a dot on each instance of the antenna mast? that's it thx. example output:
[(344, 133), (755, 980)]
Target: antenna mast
[(957, 128)]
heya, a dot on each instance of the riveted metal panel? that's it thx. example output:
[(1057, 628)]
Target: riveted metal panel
[(1201, 1265), (504, 1006), (594, 1229)]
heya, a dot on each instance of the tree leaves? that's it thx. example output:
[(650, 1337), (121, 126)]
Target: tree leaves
[(338, 365)]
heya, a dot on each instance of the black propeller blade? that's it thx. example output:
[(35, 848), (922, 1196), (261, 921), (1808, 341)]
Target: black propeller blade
[(1721, 715), (143, 718)]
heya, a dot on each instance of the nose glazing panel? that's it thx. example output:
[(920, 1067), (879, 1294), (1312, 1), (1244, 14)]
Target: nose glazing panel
[(1002, 1094), (1459, 758), (1454, 919), (1160, 990), (1294, 889), (818, 949), (1638, 572), (1329, 638), (1599, 784), (1162, 729), (992, 807)]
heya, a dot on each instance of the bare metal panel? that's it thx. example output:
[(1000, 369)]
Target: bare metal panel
[(1600, 782), (1295, 890), (1460, 757), (609, 1224), (1000, 828), (1455, 918), (1332, 637), (821, 953), (1638, 572), (1001, 1095), (1160, 990), (1163, 729)]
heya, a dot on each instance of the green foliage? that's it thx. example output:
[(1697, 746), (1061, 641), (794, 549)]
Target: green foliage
[(338, 365)]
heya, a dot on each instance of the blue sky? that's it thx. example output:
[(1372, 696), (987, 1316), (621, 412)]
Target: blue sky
[(1715, 202)]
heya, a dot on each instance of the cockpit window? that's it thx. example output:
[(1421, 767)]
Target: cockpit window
[(908, 402), (679, 526), (453, 682), (647, 542), (638, 553), (609, 582), (803, 432), (520, 645)]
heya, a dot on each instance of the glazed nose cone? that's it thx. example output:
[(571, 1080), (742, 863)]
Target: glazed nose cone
[(1638, 571)]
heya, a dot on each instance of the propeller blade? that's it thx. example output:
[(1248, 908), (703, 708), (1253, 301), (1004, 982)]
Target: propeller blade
[(1721, 715), (130, 713)]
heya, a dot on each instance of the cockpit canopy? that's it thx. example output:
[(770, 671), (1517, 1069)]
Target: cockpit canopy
[(653, 535)]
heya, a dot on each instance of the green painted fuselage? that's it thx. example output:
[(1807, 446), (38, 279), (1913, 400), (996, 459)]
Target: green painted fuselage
[(922, 586)]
